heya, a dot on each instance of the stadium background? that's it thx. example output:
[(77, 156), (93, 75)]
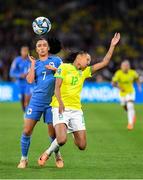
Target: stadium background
[(86, 24), (89, 25)]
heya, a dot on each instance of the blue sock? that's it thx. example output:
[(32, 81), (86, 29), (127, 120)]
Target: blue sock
[(25, 143)]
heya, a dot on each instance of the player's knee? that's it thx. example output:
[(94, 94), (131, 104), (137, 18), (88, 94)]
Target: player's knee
[(61, 141), (27, 131), (82, 146)]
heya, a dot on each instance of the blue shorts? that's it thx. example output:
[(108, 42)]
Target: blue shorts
[(34, 112), (26, 89)]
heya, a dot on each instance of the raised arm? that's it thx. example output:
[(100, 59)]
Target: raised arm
[(58, 94), (31, 74), (108, 56)]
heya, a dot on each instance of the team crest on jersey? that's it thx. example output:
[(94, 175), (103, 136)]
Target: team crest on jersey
[(29, 111), (80, 73), (52, 64), (59, 71)]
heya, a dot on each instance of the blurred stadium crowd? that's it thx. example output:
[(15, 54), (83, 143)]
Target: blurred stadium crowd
[(86, 24)]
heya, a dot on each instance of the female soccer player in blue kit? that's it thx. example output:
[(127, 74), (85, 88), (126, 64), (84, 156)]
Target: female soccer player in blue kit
[(18, 71), (42, 73)]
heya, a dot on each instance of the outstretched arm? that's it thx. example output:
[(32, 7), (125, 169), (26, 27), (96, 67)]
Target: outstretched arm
[(108, 56), (31, 74)]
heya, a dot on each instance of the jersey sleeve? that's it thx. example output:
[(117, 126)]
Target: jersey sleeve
[(58, 61), (115, 77), (61, 71), (87, 72), (14, 73)]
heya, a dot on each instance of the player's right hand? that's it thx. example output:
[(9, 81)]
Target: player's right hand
[(61, 108), (31, 58), (115, 39)]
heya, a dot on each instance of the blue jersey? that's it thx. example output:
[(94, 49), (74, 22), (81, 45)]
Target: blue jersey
[(19, 66), (44, 81)]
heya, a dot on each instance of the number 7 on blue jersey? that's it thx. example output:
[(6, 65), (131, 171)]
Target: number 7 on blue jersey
[(44, 75)]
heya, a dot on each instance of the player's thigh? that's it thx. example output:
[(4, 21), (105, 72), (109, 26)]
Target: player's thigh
[(61, 133), (80, 139), (60, 123), (48, 119)]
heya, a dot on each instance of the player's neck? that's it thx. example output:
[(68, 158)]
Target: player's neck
[(125, 71), (77, 65), (24, 57), (43, 58)]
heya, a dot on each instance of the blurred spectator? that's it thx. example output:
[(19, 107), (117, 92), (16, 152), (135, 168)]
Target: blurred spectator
[(87, 24)]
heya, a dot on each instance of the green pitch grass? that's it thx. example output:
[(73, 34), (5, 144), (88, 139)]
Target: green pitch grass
[(112, 150)]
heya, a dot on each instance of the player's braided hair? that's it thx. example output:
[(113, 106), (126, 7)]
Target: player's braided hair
[(72, 56)]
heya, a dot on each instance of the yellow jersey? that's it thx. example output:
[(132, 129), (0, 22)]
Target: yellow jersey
[(125, 81), (72, 84)]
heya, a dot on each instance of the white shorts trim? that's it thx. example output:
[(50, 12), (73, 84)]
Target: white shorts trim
[(128, 97), (72, 118)]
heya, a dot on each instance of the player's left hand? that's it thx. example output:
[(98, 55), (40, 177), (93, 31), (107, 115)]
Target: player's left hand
[(115, 39)]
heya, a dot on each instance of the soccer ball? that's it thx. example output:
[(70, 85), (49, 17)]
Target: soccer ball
[(41, 25)]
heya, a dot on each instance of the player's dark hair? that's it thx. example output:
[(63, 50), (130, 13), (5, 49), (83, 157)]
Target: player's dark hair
[(72, 56), (54, 44), (41, 38)]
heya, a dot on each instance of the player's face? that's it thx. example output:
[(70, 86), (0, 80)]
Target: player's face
[(24, 51), (42, 48), (84, 60), (125, 66)]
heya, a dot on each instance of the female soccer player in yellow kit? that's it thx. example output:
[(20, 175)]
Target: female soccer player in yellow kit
[(66, 105), (124, 79)]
